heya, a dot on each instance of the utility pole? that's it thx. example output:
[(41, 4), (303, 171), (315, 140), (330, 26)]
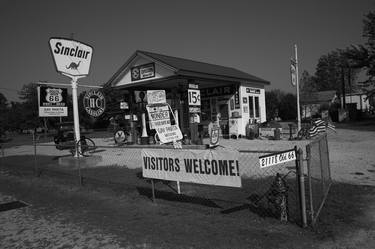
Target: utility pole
[(297, 88)]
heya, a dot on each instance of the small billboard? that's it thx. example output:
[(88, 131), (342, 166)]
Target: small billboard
[(71, 57), (52, 101)]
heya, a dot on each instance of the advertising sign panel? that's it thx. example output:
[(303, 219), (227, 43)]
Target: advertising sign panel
[(169, 133), (194, 97), (209, 167), (71, 57), (52, 101), (143, 72), (159, 116), (156, 97), (94, 103), (277, 158)]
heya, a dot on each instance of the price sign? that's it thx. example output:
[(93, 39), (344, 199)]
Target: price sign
[(194, 97)]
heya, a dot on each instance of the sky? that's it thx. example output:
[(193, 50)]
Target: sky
[(256, 37)]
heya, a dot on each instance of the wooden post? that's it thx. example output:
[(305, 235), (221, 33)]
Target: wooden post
[(153, 190), (301, 185), (308, 158), (34, 144)]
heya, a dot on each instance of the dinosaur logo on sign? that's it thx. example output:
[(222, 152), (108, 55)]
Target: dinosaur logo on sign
[(73, 65)]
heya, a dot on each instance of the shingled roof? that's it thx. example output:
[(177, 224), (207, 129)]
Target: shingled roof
[(191, 68)]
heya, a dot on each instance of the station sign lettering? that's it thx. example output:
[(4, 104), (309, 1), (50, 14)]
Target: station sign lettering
[(217, 91), (71, 57), (209, 167)]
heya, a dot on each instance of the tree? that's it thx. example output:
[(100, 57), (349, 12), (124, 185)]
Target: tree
[(308, 82), (30, 115), (363, 56), (288, 107), (332, 69), (273, 99), (4, 114), (3, 102), (369, 34)]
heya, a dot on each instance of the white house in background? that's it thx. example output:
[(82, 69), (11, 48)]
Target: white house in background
[(313, 101), (360, 99)]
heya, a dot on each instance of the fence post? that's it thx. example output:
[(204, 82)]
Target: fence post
[(321, 165), (308, 158), (329, 168), (2, 154), (35, 161), (153, 190), (301, 185), (78, 165)]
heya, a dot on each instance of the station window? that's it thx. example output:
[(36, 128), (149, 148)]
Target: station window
[(251, 106), (256, 105), (254, 110)]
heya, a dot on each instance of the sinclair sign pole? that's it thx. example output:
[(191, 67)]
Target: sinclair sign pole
[(72, 59)]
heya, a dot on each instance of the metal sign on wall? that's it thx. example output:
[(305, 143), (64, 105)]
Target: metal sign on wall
[(156, 97), (94, 103), (71, 57), (143, 72), (52, 101)]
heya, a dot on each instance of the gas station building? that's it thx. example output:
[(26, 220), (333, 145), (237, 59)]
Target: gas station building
[(235, 98)]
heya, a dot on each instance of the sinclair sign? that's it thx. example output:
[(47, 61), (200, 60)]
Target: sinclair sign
[(72, 58)]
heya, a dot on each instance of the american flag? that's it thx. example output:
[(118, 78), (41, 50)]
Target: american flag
[(319, 126), (331, 126)]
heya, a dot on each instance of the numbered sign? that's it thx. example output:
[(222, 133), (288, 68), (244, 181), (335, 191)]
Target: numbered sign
[(274, 159), (194, 96), (52, 101)]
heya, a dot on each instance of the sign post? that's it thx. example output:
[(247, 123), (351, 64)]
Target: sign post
[(75, 110), (295, 82), (72, 59)]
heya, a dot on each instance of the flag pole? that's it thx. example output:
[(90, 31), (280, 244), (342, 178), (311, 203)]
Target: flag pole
[(297, 89)]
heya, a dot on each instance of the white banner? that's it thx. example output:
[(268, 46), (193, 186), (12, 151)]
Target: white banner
[(196, 166)]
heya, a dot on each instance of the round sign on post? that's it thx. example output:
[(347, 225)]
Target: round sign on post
[(94, 103), (120, 137)]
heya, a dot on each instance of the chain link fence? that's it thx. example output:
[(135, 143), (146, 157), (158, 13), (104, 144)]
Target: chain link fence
[(120, 167), (318, 175)]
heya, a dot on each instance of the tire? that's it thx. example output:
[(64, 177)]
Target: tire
[(85, 146)]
